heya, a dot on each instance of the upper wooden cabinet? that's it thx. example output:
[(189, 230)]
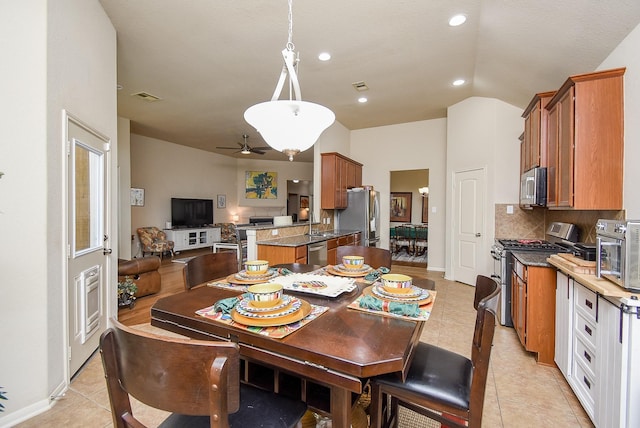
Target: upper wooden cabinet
[(585, 142), (534, 147), (339, 173)]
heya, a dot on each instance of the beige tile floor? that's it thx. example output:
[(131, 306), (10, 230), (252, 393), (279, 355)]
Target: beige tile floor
[(520, 393)]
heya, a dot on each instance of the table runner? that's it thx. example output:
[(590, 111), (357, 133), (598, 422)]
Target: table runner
[(277, 332)]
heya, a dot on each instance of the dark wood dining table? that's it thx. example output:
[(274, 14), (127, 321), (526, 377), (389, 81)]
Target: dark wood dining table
[(339, 350)]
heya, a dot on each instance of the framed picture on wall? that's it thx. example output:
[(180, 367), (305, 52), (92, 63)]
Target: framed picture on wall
[(304, 201), (425, 210), (222, 201), (261, 185), (137, 197), (400, 209)]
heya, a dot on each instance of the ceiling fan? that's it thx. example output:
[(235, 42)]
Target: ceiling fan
[(245, 148)]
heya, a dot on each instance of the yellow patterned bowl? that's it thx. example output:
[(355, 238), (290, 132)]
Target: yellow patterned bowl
[(265, 295), (256, 267), (353, 262), (396, 283)]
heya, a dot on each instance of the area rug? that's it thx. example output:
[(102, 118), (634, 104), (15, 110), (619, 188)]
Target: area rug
[(402, 256)]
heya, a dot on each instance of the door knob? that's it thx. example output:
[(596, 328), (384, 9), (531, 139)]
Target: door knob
[(478, 235)]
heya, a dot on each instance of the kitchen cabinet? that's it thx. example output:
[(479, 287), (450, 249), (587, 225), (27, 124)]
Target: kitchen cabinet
[(339, 173), (534, 145), (333, 244), (585, 142), (190, 239), (533, 309), (603, 345), (564, 323), (276, 254)]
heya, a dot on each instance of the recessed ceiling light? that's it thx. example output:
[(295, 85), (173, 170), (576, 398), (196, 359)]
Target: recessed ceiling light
[(458, 82), (324, 56), (362, 100), (457, 20)]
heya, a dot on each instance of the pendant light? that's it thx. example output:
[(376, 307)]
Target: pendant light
[(289, 126)]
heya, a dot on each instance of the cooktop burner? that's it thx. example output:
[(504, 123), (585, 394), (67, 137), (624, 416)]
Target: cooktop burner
[(530, 245)]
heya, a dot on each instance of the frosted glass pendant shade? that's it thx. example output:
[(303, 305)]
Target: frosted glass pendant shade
[(289, 125)]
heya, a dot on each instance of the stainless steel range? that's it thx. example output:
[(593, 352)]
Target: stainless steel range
[(560, 238)]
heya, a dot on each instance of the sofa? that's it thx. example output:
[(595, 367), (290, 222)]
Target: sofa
[(144, 272)]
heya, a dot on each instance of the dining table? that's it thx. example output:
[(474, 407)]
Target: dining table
[(326, 363)]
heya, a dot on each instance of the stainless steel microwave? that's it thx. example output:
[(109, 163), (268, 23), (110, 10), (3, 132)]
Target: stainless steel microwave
[(618, 252), (533, 188)]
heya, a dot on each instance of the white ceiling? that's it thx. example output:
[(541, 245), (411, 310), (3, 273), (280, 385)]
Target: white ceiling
[(209, 60)]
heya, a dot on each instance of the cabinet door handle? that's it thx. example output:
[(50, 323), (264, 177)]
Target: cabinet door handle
[(588, 330), (586, 382), (588, 303), (587, 356)]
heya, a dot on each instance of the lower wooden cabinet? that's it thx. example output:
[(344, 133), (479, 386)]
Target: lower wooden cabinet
[(277, 254), (533, 297)]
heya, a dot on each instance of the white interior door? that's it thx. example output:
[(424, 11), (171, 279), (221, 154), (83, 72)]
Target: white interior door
[(468, 233), (87, 276)]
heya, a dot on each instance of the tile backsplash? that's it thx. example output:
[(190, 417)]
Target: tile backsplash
[(532, 224)]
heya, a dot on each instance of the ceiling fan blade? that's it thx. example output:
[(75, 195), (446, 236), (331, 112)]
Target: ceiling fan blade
[(263, 148), (257, 151)]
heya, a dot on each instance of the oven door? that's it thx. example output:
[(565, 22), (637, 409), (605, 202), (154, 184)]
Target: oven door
[(610, 259)]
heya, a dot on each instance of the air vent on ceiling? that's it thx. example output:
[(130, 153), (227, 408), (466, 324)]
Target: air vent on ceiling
[(360, 86), (146, 96)]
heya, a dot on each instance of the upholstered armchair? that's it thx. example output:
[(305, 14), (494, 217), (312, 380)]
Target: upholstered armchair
[(154, 240)]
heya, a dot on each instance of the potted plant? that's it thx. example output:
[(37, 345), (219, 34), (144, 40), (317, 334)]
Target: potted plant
[(3, 396), (126, 291)]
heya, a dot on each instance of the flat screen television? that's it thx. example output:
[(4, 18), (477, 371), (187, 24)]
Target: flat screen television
[(191, 212)]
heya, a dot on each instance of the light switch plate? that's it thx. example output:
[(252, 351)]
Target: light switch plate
[(509, 209), (274, 232)]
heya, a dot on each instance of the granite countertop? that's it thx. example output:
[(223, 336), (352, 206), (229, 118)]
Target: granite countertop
[(532, 258), (297, 240), (271, 226)]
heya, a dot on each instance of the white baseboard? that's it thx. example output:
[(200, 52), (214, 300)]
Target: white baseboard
[(25, 413)]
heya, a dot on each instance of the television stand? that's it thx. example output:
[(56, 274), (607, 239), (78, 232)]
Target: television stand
[(193, 238)]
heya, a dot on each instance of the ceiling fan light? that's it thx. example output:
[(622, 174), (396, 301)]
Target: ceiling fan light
[(245, 151), (289, 125)]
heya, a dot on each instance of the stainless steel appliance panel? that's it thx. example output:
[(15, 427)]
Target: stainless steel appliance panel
[(363, 214), (618, 252), (317, 253), (533, 188)]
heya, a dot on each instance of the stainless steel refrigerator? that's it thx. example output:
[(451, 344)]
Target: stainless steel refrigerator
[(363, 214)]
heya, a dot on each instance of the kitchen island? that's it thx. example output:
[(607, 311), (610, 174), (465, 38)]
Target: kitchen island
[(294, 248)]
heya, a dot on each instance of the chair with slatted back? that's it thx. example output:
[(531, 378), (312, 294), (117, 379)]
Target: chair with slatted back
[(421, 242), (208, 267), (374, 257), (440, 384), (197, 381), (404, 239)]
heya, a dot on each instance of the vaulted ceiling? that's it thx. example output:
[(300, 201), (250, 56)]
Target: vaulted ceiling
[(209, 60)]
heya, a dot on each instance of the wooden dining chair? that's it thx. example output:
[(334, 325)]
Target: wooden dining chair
[(374, 257), (404, 239), (440, 384), (208, 267), (421, 242), (198, 381)]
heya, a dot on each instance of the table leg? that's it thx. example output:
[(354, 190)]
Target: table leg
[(340, 407)]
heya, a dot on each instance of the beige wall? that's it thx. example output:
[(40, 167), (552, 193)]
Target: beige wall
[(407, 146), (124, 186), (56, 55), (167, 170), (411, 181), (483, 133)]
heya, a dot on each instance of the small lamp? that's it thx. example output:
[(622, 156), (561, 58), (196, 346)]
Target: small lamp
[(424, 191)]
